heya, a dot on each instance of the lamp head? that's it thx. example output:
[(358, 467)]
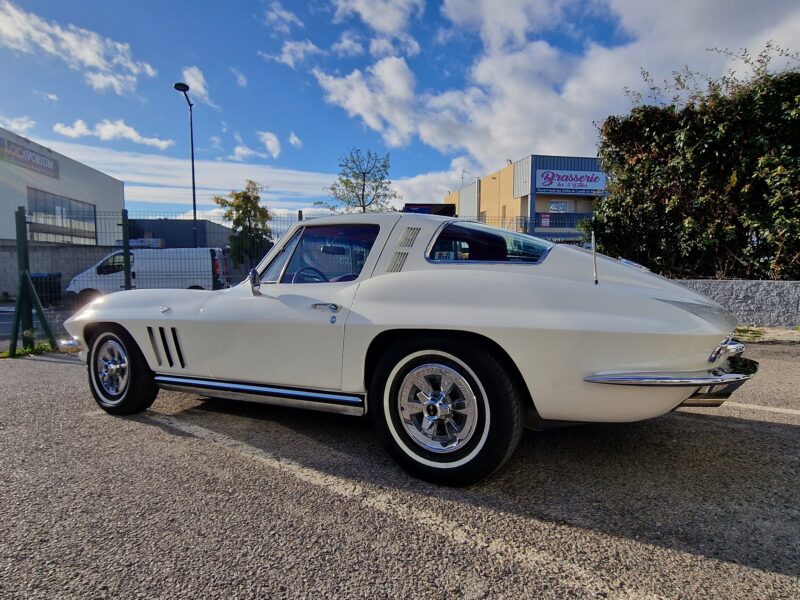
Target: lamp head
[(181, 87)]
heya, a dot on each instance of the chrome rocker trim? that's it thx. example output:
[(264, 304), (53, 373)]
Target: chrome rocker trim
[(332, 402)]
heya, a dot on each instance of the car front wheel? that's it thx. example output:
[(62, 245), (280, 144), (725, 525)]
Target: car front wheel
[(448, 412), (119, 377)]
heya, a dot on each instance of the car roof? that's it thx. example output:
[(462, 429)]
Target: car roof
[(370, 217)]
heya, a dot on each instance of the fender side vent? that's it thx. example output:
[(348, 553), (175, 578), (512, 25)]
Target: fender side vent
[(154, 345), (178, 348), (165, 344), (396, 262), (409, 237)]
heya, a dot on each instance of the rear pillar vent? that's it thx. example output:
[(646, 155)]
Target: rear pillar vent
[(409, 237), (396, 262)]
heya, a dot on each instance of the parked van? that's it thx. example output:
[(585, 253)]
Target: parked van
[(192, 268)]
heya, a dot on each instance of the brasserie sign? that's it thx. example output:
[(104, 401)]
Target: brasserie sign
[(550, 181), (22, 156)]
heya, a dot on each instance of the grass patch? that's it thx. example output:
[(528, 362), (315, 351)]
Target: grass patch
[(748, 334), (40, 348)]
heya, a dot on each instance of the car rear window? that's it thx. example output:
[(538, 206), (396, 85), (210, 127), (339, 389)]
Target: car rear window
[(471, 242)]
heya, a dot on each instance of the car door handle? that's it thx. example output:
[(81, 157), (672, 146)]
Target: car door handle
[(329, 305)]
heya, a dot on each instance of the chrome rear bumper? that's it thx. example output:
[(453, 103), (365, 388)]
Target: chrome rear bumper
[(714, 386)]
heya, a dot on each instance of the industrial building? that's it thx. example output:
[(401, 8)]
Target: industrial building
[(63, 198), (545, 195), (177, 233)]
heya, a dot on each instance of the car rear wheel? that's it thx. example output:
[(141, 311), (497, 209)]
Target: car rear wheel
[(448, 412), (119, 377)]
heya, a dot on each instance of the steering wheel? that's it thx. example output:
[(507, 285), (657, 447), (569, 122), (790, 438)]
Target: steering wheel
[(314, 270)]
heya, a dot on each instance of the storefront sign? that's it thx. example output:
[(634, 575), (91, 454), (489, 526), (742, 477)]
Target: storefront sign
[(570, 182), (545, 220), (29, 159)]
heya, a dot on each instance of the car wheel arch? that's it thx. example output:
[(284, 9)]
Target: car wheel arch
[(381, 342)]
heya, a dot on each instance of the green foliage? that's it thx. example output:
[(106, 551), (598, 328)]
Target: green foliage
[(363, 184), (708, 184), (40, 348), (251, 237)]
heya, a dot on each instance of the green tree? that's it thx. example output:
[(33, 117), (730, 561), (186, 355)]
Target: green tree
[(363, 184), (707, 183), (251, 236)]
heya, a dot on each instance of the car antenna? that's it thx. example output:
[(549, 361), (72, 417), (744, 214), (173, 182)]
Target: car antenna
[(594, 249)]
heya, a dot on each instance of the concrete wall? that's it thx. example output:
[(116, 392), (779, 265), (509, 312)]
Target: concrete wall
[(67, 260), (764, 303)]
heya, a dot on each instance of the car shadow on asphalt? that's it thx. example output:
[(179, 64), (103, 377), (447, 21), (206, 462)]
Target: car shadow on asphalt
[(710, 485)]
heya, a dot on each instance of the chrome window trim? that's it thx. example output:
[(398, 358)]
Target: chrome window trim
[(289, 260), (441, 227)]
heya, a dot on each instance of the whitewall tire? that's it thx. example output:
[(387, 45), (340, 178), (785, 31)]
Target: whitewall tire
[(447, 412), (119, 377)]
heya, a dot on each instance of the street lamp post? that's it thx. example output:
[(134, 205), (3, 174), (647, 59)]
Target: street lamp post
[(183, 88)]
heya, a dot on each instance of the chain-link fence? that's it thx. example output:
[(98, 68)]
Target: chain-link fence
[(73, 257)]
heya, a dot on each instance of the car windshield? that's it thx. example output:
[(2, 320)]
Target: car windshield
[(465, 241)]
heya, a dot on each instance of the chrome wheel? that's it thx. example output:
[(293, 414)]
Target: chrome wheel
[(438, 408), (111, 365)]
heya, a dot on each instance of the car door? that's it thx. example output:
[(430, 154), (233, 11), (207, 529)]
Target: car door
[(291, 332)]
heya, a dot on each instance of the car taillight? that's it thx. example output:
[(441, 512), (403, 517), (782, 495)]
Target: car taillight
[(216, 268)]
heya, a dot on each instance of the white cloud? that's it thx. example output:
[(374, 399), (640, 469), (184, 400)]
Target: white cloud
[(432, 186), (383, 98), (76, 130), (241, 80), (216, 142), (348, 45), (383, 16), (295, 141), (243, 152), (280, 19), (293, 52), (388, 19), (46, 96), (151, 177), (106, 64), (271, 143), (524, 95), (108, 130), (194, 78), (17, 124)]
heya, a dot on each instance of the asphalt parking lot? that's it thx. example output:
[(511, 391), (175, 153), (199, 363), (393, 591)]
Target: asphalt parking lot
[(213, 498)]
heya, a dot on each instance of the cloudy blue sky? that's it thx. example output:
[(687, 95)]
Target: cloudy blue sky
[(282, 89)]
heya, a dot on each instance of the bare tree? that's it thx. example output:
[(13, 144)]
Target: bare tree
[(363, 184)]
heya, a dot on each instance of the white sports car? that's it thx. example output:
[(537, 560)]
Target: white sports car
[(453, 335)]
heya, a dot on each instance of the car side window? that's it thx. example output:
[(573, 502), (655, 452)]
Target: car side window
[(330, 253), (113, 264), (464, 241), (275, 268)]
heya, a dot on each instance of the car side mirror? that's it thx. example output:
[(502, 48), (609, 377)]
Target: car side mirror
[(255, 282)]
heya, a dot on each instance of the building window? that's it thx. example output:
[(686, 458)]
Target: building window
[(61, 220)]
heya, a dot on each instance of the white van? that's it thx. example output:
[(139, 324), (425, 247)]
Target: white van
[(192, 268)]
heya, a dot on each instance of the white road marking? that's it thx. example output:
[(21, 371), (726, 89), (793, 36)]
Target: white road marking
[(584, 580), (775, 409)]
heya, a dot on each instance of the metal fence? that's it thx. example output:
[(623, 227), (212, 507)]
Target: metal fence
[(557, 227), (73, 257)]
